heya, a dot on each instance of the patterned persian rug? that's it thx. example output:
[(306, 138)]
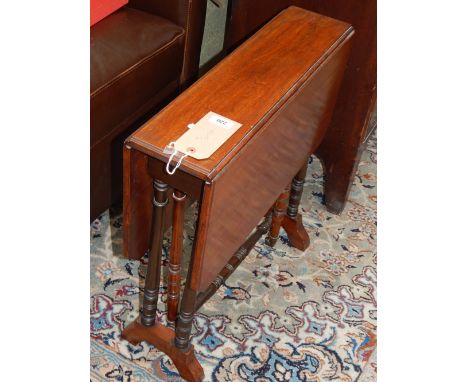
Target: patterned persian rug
[(283, 315)]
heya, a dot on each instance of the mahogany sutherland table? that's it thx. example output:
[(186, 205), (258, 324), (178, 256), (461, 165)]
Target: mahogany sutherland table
[(281, 85)]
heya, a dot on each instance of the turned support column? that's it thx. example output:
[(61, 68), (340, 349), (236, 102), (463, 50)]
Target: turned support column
[(175, 254), (187, 309), (292, 222), (297, 187), (279, 211), (153, 272), (185, 318), (148, 329)]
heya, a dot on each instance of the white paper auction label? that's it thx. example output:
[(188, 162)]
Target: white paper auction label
[(206, 136)]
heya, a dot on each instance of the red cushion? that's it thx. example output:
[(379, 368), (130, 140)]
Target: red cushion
[(103, 8)]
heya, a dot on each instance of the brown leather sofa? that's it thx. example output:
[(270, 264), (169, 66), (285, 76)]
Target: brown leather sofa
[(141, 56), (354, 117)]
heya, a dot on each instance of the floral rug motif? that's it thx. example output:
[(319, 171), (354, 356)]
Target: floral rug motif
[(283, 315)]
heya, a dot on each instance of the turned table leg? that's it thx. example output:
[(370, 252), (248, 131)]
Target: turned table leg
[(185, 317), (297, 187), (292, 222), (188, 305), (279, 211), (153, 273), (175, 254), (148, 329)]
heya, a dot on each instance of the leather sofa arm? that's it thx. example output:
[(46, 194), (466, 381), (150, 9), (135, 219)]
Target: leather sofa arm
[(190, 15)]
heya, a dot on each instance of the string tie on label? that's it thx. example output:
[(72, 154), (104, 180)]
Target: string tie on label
[(171, 158)]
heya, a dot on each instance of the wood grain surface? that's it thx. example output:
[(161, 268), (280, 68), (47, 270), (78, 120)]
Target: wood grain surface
[(241, 194), (249, 86)]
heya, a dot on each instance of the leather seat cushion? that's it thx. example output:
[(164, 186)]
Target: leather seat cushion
[(134, 55)]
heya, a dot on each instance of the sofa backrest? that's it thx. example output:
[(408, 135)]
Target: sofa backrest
[(189, 14)]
